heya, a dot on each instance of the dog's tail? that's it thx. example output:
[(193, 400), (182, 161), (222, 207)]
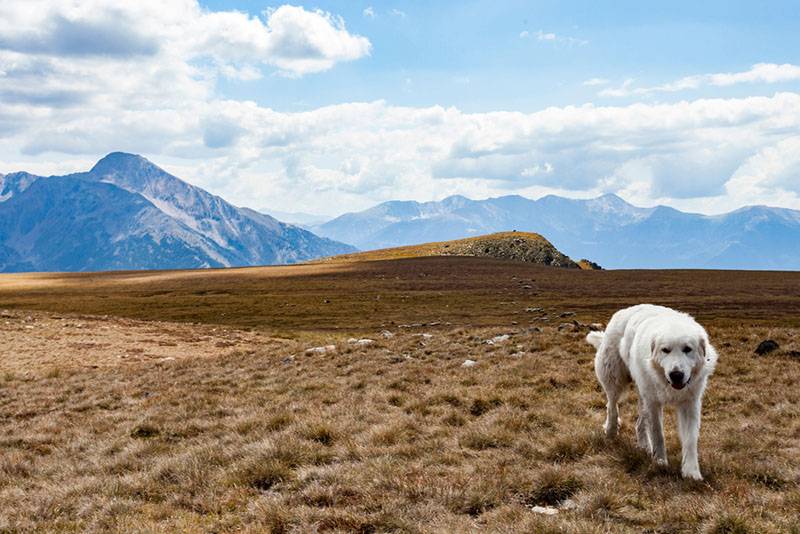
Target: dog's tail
[(595, 339)]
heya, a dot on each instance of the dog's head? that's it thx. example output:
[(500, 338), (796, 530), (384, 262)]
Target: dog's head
[(679, 356)]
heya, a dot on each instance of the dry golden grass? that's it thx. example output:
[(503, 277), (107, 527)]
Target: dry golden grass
[(369, 296), (246, 432)]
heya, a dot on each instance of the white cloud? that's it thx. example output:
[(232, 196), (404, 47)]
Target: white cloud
[(723, 152), (398, 13), (537, 169), (626, 89), (596, 81), (369, 12), (93, 37), (759, 73), (301, 41), (553, 38), (542, 36), (767, 73), (771, 175)]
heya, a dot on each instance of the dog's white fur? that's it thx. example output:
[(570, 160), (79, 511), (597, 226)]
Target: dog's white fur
[(646, 343)]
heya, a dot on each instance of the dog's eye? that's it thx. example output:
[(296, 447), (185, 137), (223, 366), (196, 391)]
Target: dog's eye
[(666, 350), (687, 349)]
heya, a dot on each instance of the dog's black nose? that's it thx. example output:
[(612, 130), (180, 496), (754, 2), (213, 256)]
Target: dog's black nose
[(676, 377)]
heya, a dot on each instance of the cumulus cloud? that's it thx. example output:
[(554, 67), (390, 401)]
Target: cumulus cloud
[(672, 152), (727, 151), (772, 174), (111, 33), (537, 169), (766, 73), (300, 41), (95, 33), (551, 37)]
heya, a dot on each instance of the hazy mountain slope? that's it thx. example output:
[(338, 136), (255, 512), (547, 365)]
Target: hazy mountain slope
[(127, 213), (606, 229), (297, 218)]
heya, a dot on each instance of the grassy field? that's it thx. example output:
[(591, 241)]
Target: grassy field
[(364, 296), (190, 401)]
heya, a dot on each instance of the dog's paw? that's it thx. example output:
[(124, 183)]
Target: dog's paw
[(610, 430), (692, 474), (662, 462)]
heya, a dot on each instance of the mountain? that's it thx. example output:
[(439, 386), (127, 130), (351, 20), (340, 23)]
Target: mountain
[(606, 229), (303, 220), (127, 213)]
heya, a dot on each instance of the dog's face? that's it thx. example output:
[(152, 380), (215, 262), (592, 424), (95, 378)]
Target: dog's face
[(679, 358)]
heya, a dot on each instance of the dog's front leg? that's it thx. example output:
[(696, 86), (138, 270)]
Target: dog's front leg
[(642, 430), (655, 424), (689, 432)]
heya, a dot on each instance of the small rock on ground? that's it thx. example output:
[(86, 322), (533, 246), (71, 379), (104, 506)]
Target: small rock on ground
[(321, 350), (498, 339), (546, 510), (363, 341), (766, 346)]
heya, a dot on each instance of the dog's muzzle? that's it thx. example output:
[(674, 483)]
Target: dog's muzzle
[(676, 380)]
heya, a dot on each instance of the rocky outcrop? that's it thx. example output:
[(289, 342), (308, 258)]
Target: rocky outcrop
[(517, 246)]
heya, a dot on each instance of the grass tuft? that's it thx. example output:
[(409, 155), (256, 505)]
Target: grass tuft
[(320, 433), (730, 524), (482, 406), (261, 474), (145, 431), (551, 488)]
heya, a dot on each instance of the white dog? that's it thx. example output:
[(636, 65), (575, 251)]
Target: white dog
[(668, 356)]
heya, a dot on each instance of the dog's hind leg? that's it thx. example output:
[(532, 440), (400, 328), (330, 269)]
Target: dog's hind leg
[(611, 426), (689, 432), (613, 376)]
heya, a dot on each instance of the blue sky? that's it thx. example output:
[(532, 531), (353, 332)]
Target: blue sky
[(335, 106), (471, 55)]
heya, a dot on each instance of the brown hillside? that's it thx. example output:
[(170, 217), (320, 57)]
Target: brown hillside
[(518, 246)]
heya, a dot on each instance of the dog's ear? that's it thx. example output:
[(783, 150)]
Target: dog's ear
[(653, 348), (701, 347)]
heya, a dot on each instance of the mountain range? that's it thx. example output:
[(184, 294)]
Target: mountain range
[(127, 213), (607, 230)]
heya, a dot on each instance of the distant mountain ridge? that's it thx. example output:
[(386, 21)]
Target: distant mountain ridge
[(606, 229), (297, 218), (127, 213)]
